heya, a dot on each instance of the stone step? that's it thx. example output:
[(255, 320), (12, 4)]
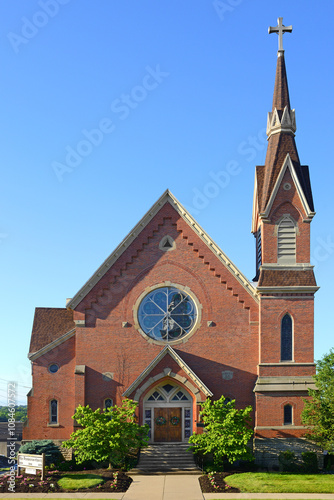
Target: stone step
[(166, 457)]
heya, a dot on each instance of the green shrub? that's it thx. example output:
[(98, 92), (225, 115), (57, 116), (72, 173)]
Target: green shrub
[(287, 461), (37, 447), (310, 462)]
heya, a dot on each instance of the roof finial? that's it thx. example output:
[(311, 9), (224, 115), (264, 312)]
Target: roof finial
[(280, 30)]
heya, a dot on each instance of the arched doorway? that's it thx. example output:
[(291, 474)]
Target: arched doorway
[(168, 413)]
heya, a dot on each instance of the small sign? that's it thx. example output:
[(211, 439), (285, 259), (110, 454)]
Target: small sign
[(29, 470), (31, 463)]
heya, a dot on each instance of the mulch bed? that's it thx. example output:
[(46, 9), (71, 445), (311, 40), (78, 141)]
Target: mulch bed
[(28, 483), (218, 480)]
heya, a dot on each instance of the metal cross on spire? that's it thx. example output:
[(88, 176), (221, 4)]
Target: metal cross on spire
[(280, 30)]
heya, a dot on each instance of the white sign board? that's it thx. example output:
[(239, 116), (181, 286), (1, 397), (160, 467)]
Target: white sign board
[(30, 471), (30, 463)]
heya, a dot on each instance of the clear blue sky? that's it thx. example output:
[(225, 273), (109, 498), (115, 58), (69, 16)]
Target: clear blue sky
[(179, 90)]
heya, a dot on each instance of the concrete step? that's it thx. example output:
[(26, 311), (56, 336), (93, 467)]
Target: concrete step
[(166, 458)]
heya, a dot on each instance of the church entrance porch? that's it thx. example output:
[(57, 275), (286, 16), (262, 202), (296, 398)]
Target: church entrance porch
[(168, 413)]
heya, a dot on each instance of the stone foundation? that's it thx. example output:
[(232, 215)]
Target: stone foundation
[(267, 450)]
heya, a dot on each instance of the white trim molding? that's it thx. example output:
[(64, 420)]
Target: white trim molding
[(34, 355), (284, 384), (287, 164)]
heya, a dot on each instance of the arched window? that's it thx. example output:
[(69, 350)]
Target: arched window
[(287, 415), (286, 241), (107, 403), (286, 338), (53, 411)]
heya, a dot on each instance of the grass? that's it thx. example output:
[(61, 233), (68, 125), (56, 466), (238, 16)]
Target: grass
[(78, 481), (261, 482)]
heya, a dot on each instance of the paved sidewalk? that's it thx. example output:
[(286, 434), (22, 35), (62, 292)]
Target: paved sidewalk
[(170, 487)]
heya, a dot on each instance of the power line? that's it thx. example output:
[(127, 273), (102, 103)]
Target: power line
[(8, 381)]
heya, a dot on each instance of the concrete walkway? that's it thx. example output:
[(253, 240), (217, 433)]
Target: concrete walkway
[(170, 487)]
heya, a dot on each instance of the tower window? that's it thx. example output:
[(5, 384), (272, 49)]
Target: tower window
[(53, 411), (286, 241), (286, 338), (287, 415)]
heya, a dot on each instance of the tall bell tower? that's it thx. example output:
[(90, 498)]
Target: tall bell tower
[(282, 212)]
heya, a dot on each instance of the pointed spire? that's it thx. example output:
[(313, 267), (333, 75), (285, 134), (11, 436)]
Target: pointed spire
[(281, 128), (281, 90), (281, 123)]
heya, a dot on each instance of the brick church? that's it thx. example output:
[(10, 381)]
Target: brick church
[(169, 320)]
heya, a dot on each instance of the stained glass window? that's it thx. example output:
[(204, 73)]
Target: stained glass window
[(287, 415), (167, 314), (53, 411), (180, 396), (107, 403), (156, 396), (286, 338), (168, 387)]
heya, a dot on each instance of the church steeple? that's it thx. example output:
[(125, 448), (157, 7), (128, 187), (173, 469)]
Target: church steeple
[(281, 128), (283, 203)]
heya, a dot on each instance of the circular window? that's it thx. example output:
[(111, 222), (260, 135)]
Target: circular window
[(167, 314), (53, 368)]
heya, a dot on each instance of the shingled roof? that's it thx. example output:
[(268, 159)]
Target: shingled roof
[(286, 278), (50, 323)]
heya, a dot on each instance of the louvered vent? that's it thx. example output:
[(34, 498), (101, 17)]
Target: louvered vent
[(286, 241)]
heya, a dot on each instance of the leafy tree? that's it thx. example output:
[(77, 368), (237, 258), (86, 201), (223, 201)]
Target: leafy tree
[(108, 435), (318, 412), (227, 431), (20, 413)]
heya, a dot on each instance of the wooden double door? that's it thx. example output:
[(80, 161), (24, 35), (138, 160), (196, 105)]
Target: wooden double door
[(167, 424)]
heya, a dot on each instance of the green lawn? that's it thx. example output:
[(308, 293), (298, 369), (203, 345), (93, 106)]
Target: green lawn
[(78, 481), (261, 482)]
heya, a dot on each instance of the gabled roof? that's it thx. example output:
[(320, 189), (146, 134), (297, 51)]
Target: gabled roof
[(167, 197), (50, 323), (165, 351), (294, 168)]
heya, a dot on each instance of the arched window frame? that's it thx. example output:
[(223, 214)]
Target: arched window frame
[(107, 403), (288, 414), (286, 232), (53, 411), (287, 338)]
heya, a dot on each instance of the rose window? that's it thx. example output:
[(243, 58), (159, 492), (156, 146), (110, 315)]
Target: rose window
[(167, 314)]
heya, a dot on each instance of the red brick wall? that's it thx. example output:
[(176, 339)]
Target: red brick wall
[(272, 311), (47, 386), (270, 413), (105, 346)]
